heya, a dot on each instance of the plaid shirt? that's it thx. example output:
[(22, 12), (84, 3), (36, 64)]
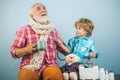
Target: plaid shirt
[(26, 36)]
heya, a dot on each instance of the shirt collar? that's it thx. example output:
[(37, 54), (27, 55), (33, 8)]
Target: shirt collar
[(86, 37)]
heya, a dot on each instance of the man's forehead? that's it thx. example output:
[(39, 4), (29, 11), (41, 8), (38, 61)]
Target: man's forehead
[(38, 5)]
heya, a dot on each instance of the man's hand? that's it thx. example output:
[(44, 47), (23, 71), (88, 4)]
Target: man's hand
[(30, 49)]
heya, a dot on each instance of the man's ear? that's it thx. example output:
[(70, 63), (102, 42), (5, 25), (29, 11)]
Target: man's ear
[(31, 16)]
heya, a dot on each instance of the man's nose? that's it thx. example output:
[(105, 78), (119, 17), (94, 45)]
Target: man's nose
[(42, 10)]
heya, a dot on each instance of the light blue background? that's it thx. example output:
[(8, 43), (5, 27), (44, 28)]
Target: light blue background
[(105, 14)]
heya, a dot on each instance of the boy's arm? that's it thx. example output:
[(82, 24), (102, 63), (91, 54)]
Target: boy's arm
[(93, 51)]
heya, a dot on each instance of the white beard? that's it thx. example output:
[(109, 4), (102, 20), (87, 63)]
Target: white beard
[(40, 19)]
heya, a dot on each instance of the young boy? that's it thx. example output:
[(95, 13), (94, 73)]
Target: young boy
[(81, 44)]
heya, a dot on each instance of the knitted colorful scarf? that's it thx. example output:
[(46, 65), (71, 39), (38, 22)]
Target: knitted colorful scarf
[(44, 31)]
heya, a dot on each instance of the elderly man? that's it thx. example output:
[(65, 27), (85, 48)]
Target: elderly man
[(37, 60)]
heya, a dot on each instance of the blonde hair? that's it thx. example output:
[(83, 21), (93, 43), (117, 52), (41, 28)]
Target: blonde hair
[(86, 24)]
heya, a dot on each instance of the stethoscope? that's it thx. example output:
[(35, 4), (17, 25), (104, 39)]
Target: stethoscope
[(73, 45)]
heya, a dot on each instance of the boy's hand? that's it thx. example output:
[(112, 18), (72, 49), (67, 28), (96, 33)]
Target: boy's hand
[(92, 55)]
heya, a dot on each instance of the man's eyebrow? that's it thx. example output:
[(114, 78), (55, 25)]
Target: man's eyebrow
[(37, 7), (44, 7)]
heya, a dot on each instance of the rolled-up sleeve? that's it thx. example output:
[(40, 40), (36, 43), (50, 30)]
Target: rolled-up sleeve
[(18, 42), (93, 49)]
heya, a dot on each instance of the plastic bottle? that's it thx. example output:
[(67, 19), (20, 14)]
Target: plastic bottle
[(102, 74), (111, 76), (106, 75)]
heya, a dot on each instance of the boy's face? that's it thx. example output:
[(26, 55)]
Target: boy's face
[(80, 32)]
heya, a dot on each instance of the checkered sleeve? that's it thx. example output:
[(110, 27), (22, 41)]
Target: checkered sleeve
[(18, 42)]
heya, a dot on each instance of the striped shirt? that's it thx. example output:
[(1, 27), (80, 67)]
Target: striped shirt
[(26, 36)]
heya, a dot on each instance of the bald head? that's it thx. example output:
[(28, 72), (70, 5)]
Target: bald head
[(34, 6), (39, 13)]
